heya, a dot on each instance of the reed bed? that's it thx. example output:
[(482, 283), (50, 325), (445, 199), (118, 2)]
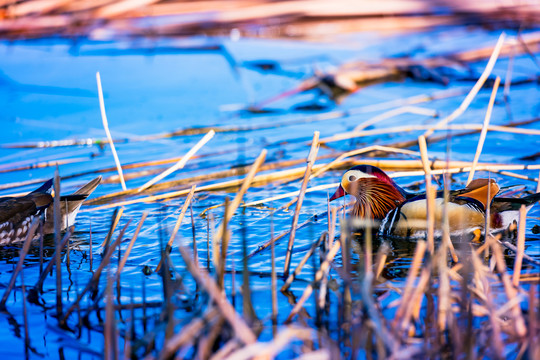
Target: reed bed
[(335, 298), (35, 18)]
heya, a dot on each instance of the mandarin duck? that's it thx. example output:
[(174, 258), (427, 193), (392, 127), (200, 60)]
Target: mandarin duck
[(403, 215), (17, 213)]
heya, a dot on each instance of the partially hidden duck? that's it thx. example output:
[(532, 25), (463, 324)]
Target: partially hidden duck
[(17, 213)]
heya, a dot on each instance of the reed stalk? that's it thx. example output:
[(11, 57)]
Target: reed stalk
[(411, 276), (52, 261), (511, 291), (430, 194), (323, 270), (484, 129), (93, 282), (181, 163), (300, 265), (117, 214), (246, 183), (22, 255), (310, 161), (189, 333), (474, 91), (520, 245), (106, 127), (178, 223), (241, 329), (57, 217), (130, 246)]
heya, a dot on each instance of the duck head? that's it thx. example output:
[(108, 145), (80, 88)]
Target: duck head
[(376, 194)]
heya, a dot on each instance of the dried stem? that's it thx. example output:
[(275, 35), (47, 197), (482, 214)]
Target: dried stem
[(484, 129), (310, 161), (181, 163), (430, 195), (22, 256), (97, 274), (243, 332), (299, 267), (520, 245), (178, 223), (106, 127), (476, 88)]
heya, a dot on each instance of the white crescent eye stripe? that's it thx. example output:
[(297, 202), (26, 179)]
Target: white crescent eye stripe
[(357, 174), (352, 176)]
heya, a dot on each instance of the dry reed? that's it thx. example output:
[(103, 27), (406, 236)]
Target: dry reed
[(181, 163), (310, 162), (109, 137), (484, 129), (474, 91)]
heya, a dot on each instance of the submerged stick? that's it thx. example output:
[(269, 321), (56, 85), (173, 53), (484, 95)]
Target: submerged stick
[(484, 129), (395, 112), (106, 127), (181, 163), (474, 128), (310, 161), (273, 275), (526, 257)]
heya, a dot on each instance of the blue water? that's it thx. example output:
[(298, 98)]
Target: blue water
[(48, 92)]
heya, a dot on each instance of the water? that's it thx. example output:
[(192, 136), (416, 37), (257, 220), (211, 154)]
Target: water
[(48, 92)]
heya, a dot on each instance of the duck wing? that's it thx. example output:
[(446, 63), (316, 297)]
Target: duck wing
[(481, 190)]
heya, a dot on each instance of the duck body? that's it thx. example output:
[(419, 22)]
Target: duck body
[(409, 219), (465, 209), (17, 213)]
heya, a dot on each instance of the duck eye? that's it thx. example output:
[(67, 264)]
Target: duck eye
[(352, 178)]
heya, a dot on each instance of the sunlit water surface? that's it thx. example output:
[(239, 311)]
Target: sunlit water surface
[(48, 92)]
